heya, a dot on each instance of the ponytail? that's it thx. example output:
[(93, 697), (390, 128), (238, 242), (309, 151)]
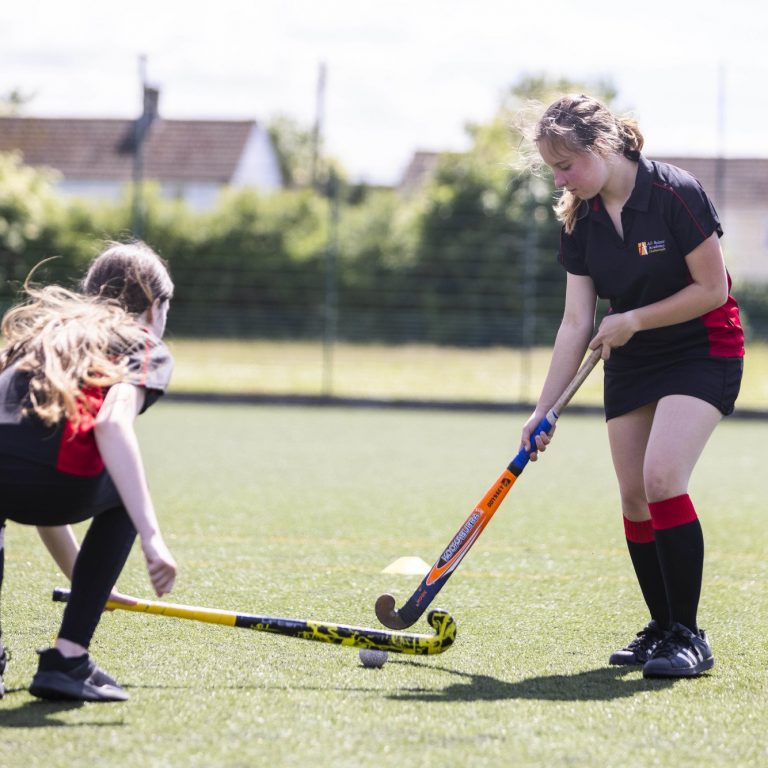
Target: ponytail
[(631, 139)]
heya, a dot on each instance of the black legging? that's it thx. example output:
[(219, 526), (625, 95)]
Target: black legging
[(103, 553)]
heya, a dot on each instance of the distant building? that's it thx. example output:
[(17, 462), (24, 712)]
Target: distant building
[(738, 187), (418, 171), (191, 160)]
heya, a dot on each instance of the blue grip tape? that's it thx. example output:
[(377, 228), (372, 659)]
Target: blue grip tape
[(522, 458)]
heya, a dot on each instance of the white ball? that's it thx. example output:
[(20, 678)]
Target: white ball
[(370, 657)]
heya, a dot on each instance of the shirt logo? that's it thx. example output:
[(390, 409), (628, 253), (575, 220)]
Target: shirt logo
[(651, 246)]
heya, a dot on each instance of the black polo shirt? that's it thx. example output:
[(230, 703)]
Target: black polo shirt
[(67, 448), (666, 217)]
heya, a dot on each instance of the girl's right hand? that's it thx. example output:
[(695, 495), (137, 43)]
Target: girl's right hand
[(160, 564), (542, 440), (119, 597)]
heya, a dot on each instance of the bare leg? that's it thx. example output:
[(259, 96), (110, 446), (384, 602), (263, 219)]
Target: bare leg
[(681, 428)]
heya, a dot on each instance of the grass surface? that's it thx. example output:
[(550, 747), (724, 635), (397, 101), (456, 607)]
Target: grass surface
[(405, 372), (296, 512)]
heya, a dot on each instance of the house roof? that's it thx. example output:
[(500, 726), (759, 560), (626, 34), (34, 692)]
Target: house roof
[(174, 150)]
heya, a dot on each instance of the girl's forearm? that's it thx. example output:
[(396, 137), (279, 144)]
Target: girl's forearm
[(119, 449)]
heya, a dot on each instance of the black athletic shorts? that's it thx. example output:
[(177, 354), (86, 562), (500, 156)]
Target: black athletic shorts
[(716, 380), (33, 494)]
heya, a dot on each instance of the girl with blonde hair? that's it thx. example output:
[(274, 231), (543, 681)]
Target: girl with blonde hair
[(76, 370), (645, 236)]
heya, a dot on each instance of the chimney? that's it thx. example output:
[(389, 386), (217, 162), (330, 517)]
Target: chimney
[(151, 99)]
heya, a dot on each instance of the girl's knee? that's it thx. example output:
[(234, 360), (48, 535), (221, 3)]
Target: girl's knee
[(634, 506), (662, 482)]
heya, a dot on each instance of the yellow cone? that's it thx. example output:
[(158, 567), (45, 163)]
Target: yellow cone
[(409, 566)]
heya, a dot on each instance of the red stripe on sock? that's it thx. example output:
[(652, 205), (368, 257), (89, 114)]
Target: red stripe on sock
[(638, 532), (670, 513)]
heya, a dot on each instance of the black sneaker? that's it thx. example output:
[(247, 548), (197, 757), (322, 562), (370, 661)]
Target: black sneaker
[(639, 650), (78, 679), (682, 653), (3, 662)]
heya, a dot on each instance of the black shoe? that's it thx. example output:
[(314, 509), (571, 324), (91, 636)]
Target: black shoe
[(682, 653), (641, 648), (78, 679), (3, 662)]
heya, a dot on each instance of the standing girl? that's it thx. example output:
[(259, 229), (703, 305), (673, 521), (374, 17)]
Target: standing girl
[(644, 235), (75, 372)]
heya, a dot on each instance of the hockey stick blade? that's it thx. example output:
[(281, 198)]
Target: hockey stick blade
[(481, 515), (320, 631)]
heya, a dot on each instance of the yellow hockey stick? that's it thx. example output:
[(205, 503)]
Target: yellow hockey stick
[(321, 631)]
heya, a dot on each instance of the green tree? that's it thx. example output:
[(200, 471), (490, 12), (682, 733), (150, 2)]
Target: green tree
[(27, 208), (303, 161), (377, 246), (295, 148)]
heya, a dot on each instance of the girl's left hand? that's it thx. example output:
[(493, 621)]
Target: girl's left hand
[(615, 331), (160, 564)]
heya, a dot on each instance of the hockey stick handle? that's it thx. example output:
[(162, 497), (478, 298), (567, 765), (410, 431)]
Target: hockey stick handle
[(324, 632)]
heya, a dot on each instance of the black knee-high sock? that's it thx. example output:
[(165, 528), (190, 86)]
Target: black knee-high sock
[(645, 560), (103, 553), (680, 544)]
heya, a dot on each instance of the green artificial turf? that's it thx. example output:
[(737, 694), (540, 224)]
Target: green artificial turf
[(296, 511)]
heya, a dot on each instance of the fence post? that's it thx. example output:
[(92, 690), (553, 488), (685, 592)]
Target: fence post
[(330, 297)]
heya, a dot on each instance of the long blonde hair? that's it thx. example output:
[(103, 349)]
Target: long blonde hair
[(68, 342), (583, 124)]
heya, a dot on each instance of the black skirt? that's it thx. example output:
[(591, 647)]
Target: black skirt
[(716, 380)]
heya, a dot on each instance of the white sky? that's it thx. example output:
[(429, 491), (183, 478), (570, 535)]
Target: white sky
[(401, 74)]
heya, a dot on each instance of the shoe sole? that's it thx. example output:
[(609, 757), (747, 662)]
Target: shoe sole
[(699, 669), (56, 686)]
